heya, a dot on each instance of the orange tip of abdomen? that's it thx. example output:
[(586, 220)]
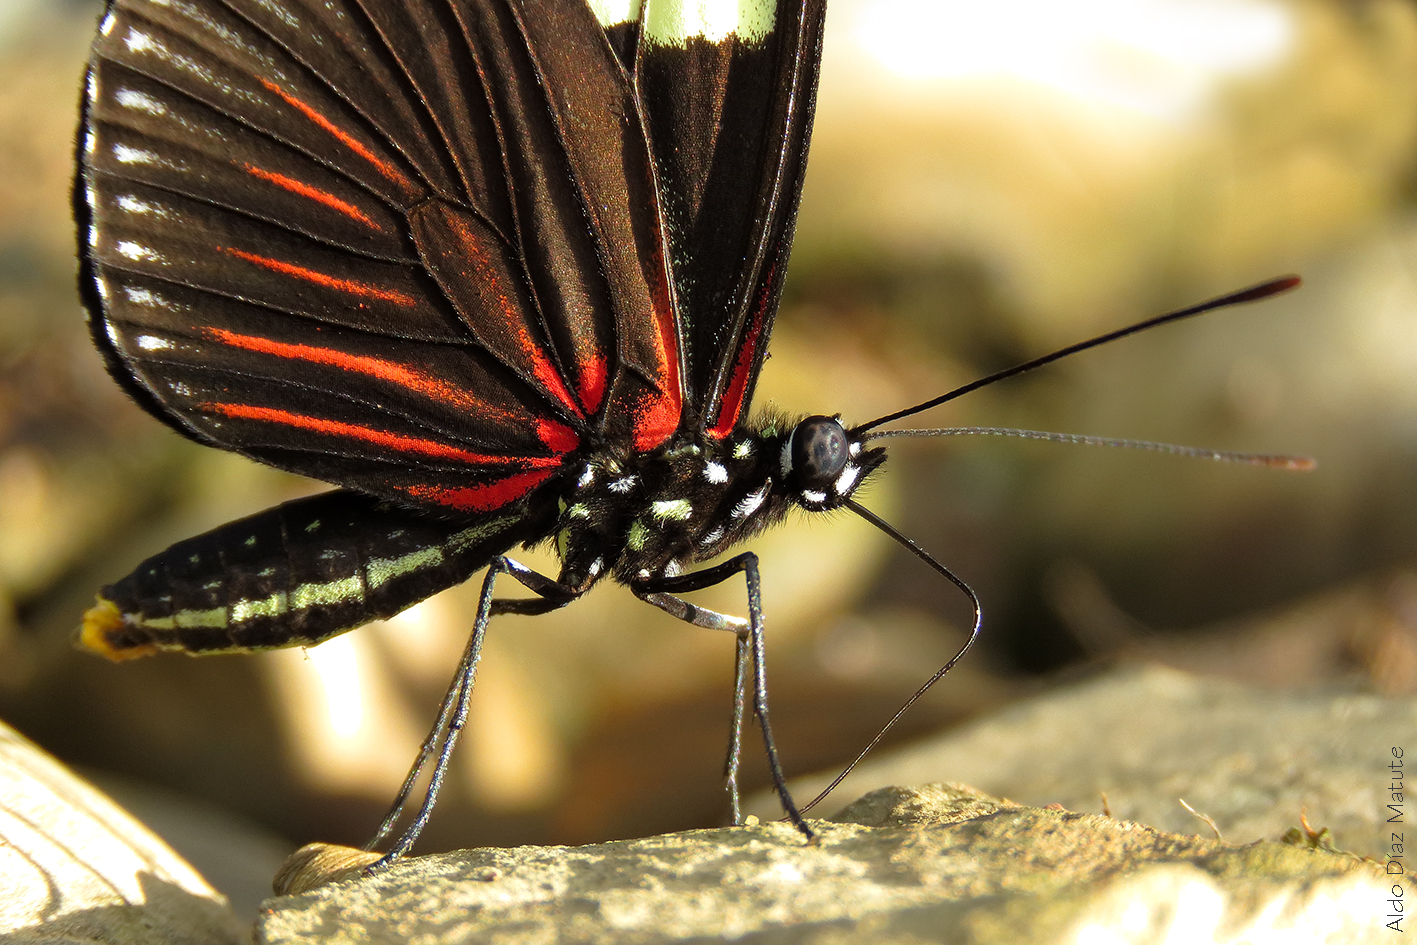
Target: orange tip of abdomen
[(102, 622)]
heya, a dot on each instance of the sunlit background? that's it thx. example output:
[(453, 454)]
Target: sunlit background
[(988, 182)]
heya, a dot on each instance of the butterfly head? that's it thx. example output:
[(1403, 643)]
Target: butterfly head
[(822, 464)]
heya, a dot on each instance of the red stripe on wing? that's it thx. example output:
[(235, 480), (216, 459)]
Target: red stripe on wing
[(488, 278), (407, 377), (394, 441), (322, 279), (594, 375), (344, 138), (484, 498), (730, 405), (305, 190), (558, 437), (658, 416)]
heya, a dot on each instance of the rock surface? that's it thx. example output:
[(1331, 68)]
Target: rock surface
[(940, 863), (76, 867), (1252, 760)]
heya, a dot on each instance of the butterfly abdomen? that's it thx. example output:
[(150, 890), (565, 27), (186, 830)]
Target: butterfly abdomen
[(293, 576)]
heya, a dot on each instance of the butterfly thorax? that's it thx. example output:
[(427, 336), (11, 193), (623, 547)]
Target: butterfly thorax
[(656, 514)]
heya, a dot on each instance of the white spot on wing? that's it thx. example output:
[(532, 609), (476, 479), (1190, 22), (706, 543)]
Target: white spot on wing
[(139, 296), (126, 155), (106, 26), (139, 42), (134, 205), (675, 22), (140, 102), (610, 12), (136, 251), (153, 343)]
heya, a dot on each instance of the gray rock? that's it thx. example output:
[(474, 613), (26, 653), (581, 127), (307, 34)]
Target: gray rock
[(940, 863), (1252, 760)]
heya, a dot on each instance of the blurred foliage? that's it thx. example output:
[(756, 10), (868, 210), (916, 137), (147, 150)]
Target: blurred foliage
[(949, 228)]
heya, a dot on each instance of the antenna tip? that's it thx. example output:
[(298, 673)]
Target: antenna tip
[(1295, 463), (1265, 289)]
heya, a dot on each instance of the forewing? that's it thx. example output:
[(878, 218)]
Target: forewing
[(355, 240), (728, 89)]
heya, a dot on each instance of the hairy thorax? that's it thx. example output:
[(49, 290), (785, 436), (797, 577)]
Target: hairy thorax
[(692, 499)]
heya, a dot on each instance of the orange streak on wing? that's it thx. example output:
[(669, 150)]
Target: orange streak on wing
[(391, 371), (594, 373), (394, 441), (558, 437), (512, 317), (320, 278), (344, 138), (730, 407), (661, 417), (494, 495), (305, 190)]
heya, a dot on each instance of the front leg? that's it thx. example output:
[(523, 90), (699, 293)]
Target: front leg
[(662, 593)]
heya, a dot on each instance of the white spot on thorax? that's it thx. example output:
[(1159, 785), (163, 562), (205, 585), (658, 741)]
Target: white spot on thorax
[(715, 473), (624, 485), (784, 458), (813, 496), (750, 502), (672, 510)]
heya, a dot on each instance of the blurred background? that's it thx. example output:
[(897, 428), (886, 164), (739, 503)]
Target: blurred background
[(988, 182)]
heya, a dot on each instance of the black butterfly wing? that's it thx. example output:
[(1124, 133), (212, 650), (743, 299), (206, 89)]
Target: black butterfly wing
[(728, 97), (408, 247)]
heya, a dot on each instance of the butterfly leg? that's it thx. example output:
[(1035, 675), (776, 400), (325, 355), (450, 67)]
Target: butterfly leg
[(452, 713), (710, 619), (750, 651)]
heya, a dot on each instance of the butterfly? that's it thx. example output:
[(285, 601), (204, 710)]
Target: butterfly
[(502, 271)]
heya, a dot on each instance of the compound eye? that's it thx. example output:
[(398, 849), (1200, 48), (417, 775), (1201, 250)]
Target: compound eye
[(820, 450)]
